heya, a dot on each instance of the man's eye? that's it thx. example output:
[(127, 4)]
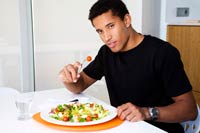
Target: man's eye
[(99, 32), (111, 26)]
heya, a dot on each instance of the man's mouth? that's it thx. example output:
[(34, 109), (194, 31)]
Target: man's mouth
[(111, 44)]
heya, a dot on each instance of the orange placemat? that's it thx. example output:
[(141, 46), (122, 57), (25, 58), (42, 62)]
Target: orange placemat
[(106, 125)]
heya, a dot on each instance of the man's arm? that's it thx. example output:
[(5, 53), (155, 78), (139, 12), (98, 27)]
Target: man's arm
[(183, 109), (74, 81)]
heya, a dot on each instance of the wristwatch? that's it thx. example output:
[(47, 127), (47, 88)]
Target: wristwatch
[(154, 112)]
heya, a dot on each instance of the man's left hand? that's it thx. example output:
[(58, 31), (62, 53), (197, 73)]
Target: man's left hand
[(131, 112)]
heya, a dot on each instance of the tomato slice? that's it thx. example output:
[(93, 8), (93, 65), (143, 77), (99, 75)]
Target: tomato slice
[(96, 116), (91, 105), (88, 118), (65, 118)]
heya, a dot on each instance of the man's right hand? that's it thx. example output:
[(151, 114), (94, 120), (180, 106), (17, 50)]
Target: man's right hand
[(70, 73)]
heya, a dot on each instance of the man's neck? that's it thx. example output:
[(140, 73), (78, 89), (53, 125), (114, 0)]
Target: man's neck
[(135, 38)]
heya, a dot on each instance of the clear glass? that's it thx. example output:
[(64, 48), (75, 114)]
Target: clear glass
[(23, 103)]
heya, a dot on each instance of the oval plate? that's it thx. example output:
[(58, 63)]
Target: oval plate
[(112, 114)]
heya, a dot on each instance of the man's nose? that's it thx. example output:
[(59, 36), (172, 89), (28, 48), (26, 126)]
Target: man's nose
[(107, 36)]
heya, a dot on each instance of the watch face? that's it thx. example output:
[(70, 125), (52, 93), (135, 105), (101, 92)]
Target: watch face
[(153, 113), (154, 110)]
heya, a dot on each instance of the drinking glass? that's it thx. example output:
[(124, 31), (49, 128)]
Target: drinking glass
[(23, 103)]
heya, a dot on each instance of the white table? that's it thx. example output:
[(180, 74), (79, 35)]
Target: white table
[(10, 124)]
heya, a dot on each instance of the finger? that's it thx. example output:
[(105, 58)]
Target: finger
[(135, 119), (123, 107), (65, 76), (130, 117), (137, 114), (77, 64), (120, 109), (126, 113), (62, 76), (71, 73)]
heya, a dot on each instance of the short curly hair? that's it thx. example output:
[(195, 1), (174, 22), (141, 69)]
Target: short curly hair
[(117, 7)]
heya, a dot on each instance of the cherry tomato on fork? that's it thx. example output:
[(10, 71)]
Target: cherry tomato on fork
[(89, 58)]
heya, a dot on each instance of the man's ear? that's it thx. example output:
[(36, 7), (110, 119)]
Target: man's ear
[(127, 20)]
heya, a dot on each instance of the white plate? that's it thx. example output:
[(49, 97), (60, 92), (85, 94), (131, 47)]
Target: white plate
[(112, 114)]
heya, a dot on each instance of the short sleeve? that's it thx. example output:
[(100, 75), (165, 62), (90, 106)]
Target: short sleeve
[(171, 70)]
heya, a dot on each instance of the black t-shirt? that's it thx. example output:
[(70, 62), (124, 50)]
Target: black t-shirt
[(148, 75)]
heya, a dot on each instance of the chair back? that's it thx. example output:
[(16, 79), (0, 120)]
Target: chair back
[(192, 126)]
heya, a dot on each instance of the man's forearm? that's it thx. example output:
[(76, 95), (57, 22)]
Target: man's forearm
[(176, 114), (183, 109)]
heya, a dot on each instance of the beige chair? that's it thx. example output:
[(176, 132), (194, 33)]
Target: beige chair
[(192, 126)]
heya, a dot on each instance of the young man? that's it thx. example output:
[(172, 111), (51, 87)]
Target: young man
[(144, 75)]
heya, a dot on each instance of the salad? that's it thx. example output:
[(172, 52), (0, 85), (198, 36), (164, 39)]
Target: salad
[(78, 112)]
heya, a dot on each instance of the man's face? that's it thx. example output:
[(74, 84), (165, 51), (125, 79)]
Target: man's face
[(113, 31)]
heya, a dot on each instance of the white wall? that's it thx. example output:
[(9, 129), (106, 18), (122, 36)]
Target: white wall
[(163, 24), (168, 14), (135, 10), (194, 10), (59, 22), (63, 35), (9, 23), (151, 17), (145, 15), (9, 44), (66, 22)]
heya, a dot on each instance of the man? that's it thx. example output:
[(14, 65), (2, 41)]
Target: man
[(144, 75)]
